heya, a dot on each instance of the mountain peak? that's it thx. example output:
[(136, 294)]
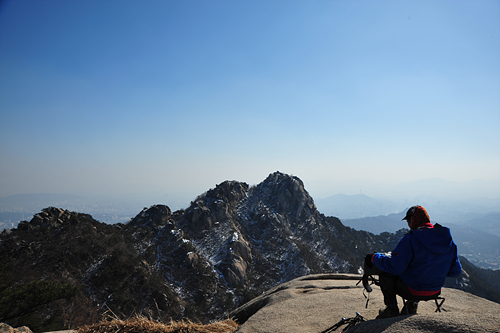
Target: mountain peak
[(286, 193), (155, 215), (52, 218)]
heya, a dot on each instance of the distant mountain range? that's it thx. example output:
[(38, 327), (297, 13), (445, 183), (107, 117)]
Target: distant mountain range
[(63, 269), (357, 206), (426, 191), (475, 224), (477, 239), (441, 209)]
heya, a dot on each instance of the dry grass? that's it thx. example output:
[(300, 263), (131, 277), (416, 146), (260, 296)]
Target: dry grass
[(144, 325)]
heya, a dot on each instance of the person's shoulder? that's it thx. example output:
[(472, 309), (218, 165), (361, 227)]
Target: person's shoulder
[(407, 236), (440, 229)]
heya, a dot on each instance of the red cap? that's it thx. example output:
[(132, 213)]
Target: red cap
[(420, 217)]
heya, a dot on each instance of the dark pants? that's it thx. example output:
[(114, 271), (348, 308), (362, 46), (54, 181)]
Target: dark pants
[(392, 285)]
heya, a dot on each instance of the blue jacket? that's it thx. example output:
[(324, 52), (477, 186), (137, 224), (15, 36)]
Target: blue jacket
[(423, 259)]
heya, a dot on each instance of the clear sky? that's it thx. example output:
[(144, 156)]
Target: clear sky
[(167, 97)]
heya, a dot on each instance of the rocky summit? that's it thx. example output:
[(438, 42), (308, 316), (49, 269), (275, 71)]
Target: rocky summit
[(63, 269), (316, 303)]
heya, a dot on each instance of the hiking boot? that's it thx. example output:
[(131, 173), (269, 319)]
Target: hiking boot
[(409, 308), (387, 312)]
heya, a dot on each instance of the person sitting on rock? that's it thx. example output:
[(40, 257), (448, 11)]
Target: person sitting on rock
[(418, 265)]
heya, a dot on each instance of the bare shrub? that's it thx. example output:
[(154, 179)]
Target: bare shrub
[(140, 324)]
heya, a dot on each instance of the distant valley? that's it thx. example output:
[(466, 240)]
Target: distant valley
[(475, 224)]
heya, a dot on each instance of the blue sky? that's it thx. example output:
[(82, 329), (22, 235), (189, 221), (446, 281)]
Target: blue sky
[(174, 97)]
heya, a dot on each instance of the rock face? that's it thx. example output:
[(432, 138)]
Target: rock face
[(4, 328), (315, 303), (257, 237), (232, 243)]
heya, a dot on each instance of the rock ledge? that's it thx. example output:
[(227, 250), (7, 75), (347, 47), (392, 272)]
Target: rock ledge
[(316, 302)]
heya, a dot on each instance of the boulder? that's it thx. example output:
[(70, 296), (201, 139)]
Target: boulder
[(4, 328), (315, 303)]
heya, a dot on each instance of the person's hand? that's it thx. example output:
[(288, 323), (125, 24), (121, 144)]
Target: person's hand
[(368, 260)]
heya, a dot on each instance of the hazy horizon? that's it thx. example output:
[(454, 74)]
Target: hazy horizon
[(426, 191), (165, 98)]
